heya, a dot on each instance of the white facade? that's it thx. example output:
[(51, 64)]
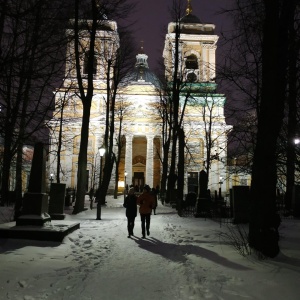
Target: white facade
[(141, 124)]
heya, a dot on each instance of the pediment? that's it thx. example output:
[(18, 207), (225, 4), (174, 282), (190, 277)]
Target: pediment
[(139, 161)]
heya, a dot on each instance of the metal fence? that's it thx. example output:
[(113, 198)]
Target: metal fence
[(221, 211)]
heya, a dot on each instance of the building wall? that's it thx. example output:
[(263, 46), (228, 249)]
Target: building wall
[(141, 124)]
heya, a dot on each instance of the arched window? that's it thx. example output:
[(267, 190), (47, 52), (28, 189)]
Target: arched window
[(85, 66), (191, 62)]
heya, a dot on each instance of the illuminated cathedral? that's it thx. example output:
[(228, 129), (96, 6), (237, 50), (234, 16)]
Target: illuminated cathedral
[(141, 126)]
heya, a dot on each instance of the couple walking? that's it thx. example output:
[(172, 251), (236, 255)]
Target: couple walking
[(146, 202)]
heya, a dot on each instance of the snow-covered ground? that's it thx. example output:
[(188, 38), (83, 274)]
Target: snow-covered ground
[(183, 258)]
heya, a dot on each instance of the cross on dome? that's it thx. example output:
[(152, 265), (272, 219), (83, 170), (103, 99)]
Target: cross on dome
[(142, 48), (189, 8)]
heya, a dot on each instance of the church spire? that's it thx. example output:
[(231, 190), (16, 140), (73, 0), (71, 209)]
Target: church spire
[(189, 8), (142, 48)]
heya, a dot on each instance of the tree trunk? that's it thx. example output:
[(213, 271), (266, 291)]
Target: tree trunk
[(59, 144), (107, 171), (7, 158), (292, 114), (117, 175), (172, 178), (19, 182), (181, 164), (82, 161), (165, 164), (264, 221), (86, 95)]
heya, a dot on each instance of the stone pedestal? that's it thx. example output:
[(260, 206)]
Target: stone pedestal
[(35, 201), (57, 201), (35, 210)]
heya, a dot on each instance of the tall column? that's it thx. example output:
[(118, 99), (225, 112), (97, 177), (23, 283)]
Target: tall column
[(149, 161), (204, 62), (128, 159), (212, 63)]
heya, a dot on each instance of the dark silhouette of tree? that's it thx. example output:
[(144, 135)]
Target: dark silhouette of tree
[(265, 45), (86, 93), (174, 86), (292, 100), (90, 16), (31, 62), (117, 69)]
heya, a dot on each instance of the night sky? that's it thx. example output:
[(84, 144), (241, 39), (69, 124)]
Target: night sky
[(153, 17)]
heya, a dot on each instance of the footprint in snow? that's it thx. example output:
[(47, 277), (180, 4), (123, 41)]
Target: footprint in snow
[(87, 242), (22, 284), (26, 297)]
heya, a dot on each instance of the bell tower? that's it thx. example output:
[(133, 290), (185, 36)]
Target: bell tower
[(197, 48)]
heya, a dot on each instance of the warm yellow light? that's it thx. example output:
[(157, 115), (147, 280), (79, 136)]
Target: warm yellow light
[(101, 151), (121, 184)]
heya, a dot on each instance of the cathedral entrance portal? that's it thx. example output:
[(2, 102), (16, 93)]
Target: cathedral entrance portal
[(139, 154), (138, 181), (138, 170)]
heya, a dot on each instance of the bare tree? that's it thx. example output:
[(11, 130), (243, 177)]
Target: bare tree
[(183, 83), (265, 26), (30, 61), (174, 76), (215, 130), (65, 114), (120, 65), (293, 98), (83, 23), (120, 143)]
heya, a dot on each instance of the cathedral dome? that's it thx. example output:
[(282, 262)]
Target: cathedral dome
[(190, 19), (141, 73)]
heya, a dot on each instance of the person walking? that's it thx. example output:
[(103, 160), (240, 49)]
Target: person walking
[(91, 196), (153, 193), (146, 203), (130, 203)]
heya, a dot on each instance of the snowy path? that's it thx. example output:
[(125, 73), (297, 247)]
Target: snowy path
[(183, 259), (98, 261)]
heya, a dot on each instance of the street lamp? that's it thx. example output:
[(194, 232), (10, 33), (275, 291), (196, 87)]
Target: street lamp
[(220, 183), (101, 152), (125, 185), (51, 180)]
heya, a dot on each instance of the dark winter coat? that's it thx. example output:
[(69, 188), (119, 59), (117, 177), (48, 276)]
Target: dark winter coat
[(130, 205), (146, 202), (153, 193)]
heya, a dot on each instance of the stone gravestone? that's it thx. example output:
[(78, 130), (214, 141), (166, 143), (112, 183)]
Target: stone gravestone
[(35, 201), (296, 201), (203, 180), (203, 200), (241, 203), (57, 201)]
